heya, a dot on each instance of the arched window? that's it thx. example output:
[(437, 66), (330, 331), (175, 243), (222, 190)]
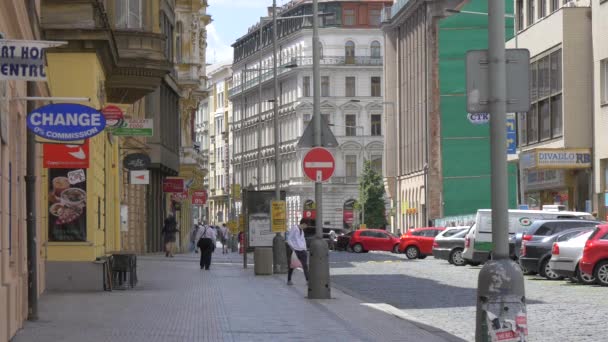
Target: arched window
[(349, 52), (375, 49)]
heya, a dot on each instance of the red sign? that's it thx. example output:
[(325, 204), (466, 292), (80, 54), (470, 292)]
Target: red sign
[(199, 197), (318, 164), (112, 112), (179, 196), (60, 156), (173, 185), (310, 214)]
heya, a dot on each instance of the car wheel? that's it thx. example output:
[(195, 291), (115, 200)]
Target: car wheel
[(357, 248), (456, 257), (584, 278), (601, 273), (396, 248), (412, 252), (545, 271)]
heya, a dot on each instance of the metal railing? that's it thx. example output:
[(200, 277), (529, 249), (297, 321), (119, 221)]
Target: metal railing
[(389, 12)]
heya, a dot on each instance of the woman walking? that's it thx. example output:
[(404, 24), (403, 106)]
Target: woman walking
[(169, 234), (296, 243)]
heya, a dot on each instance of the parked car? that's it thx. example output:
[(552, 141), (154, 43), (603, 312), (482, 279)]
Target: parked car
[(418, 243), (535, 254), (364, 240), (480, 242), (449, 244), (595, 255), (566, 256), (309, 234), (540, 229), (343, 241)]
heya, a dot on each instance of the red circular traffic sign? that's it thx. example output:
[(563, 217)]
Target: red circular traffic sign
[(318, 164)]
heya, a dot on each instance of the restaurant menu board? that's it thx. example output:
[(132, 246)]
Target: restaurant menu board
[(67, 205)]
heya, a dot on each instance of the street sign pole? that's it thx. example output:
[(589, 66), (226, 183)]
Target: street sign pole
[(318, 284), (500, 291)]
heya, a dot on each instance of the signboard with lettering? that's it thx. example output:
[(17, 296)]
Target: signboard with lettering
[(136, 161), (199, 197), (278, 214), (66, 121), (24, 59), (60, 156), (135, 127), (173, 185), (563, 159)]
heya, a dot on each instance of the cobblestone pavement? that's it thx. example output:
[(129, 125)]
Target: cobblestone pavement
[(435, 293), (176, 301)]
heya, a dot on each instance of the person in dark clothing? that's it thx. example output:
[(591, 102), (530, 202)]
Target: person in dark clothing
[(169, 234), (206, 242)]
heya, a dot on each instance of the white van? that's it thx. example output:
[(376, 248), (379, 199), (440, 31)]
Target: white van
[(478, 242)]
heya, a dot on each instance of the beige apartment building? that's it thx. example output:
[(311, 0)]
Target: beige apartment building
[(600, 103), (555, 137)]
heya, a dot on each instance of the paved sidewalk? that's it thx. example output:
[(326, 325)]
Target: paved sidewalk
[(176, 301)]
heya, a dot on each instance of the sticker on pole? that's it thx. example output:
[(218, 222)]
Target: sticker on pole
[(66, 121), (318, 164)]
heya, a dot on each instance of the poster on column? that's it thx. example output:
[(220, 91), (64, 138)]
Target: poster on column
[(258, 217), (67, 205)]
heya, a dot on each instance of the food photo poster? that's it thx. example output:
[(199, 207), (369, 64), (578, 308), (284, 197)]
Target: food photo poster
[(67, 205)]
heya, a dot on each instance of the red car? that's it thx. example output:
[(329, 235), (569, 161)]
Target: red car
[(418, 243), (595, 255), (364, 240)]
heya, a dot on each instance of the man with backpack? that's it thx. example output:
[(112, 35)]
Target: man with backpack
[(206, 242)]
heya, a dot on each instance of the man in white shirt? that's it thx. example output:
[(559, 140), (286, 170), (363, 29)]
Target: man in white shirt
[(206, 242), (297, 243), (224, 238)]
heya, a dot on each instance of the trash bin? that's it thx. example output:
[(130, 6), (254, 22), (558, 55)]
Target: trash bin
[(124, 270)]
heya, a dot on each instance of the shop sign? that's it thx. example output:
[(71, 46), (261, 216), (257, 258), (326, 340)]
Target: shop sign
[(199, 197), (114, 116), (60, 156), (67, 199), (136, 161), (278, 215), (545, 179), (24, 59), (173, 185), (478, 118), (563, 159), (179, 196), (135, 127), (66, 121), (139, 177)]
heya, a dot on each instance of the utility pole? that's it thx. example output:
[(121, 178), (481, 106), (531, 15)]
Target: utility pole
[(241, 130), (318, 284), (259, 123), (500, 291), (278, 242)]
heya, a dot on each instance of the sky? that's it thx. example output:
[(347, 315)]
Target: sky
[(230, 20)]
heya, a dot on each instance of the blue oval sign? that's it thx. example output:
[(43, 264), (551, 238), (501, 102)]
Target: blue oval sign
[(66, 121)]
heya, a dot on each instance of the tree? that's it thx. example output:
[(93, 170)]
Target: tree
[(371, 197)]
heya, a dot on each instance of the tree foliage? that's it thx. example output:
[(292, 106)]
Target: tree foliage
[(371, 197)]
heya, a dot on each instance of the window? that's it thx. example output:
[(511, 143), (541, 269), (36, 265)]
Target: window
[(349, 52), (167, 29), (376, 163), (368, 233), (604, 81), (605, 237), (376, 124), (374, 17), (325, 86), (554, 5), (520, 15), (375, 89), (351, 166), (178, 41), (129, 14), (375, 49), (542, 9), (350, 86), (544, 121), (349, 17), (350, 121), (306, 86), (531, 12)]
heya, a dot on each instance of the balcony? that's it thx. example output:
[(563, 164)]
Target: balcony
[(134, 59), (267, 75)]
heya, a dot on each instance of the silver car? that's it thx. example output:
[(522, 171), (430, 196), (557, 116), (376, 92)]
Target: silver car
[(449, 245), (566, 255)]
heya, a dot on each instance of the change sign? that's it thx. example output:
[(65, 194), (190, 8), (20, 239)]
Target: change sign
[(66, 122)]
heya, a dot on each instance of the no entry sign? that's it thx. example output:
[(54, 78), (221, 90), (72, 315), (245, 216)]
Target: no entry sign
[(318, 164)]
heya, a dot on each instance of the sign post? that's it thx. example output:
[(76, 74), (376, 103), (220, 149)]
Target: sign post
[(318, 164)]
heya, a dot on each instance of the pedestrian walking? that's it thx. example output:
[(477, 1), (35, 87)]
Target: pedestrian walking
[(206, 242), (224, 238), (193, 234), (333, 240), (296, 243), (169, 232)]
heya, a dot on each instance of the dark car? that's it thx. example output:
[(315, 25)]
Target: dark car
[(344, 241), (309, 234), (540, 229), (450, 247), (535, 255)]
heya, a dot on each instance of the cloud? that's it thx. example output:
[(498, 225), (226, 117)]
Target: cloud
[(217, 49)]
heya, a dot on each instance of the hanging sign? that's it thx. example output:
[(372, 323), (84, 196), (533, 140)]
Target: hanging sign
[(199, 197), (24, 59), (59, 156), (135, 127), (114, 116), (140, 177), (173, 185), (66, 121), (136, 161)]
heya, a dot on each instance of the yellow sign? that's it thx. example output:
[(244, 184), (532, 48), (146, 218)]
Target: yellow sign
[(278, 213), (233, 226), (362, 226), (241, 224)]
